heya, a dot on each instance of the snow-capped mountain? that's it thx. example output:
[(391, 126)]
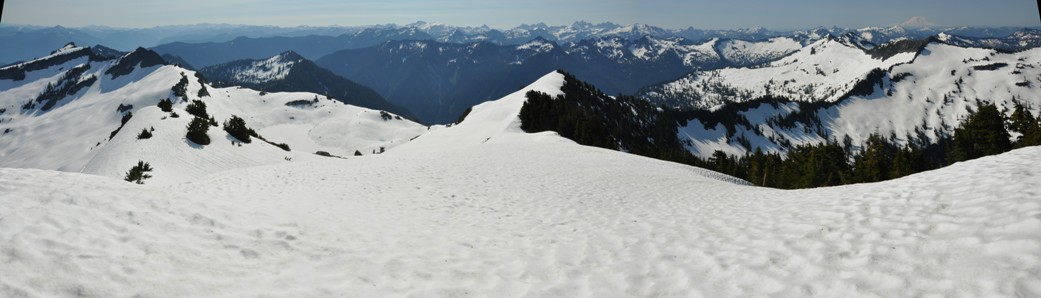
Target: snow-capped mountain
[(227, 43), (751, 53), (290, 72), (482, 208), (1018, 41), (822, 71), (912, 96), (78, 110)]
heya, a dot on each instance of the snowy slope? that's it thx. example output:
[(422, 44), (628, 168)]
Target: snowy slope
[(75, 135), (822, 71), (923, 99), (754, 53), (482, 209), (274, 68)]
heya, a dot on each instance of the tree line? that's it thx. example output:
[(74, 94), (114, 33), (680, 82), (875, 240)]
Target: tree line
[(984, 132)]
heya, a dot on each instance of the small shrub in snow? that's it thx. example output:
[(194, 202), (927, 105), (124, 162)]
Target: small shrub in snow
[(166, 105), (138, 173), (145, 134)]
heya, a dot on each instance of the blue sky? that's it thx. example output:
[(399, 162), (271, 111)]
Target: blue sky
[(772, 14)]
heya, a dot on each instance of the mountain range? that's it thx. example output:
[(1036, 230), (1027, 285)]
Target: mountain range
[(24, 41), (912, 91)]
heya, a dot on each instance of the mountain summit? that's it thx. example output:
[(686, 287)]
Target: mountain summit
[(291, 72)]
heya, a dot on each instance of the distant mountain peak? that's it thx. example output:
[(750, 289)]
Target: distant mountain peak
[(917, 22), (68, 46), (140, 57), (289, 55)]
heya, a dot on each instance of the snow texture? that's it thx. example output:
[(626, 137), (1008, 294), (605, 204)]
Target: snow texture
[(483, 209)]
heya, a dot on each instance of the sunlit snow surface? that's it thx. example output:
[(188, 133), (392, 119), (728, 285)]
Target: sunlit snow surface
[(483, 209)]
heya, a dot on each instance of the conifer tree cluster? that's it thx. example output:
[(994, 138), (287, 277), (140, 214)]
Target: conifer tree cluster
[(985, 132), (181, 88)]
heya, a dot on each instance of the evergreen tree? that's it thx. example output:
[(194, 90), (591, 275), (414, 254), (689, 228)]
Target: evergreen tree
[(903, 163), (983, 133), (1028, 127), (145, 134), (236, 127), (197, 129), (874, 161), (166, 105), (197, 108)]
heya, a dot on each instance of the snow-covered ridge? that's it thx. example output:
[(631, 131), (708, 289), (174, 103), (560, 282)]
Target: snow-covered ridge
[(539, 45), (919, 100), (94, 129), (496, 119), (822, 71), (753, 53), (274, 68)]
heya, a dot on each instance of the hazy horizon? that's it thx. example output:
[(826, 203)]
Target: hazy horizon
[(6, 24), (676, 14)]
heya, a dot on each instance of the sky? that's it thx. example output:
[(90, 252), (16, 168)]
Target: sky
[(702, 14)]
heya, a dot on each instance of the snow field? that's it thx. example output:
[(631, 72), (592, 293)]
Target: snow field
[(482, 209)]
